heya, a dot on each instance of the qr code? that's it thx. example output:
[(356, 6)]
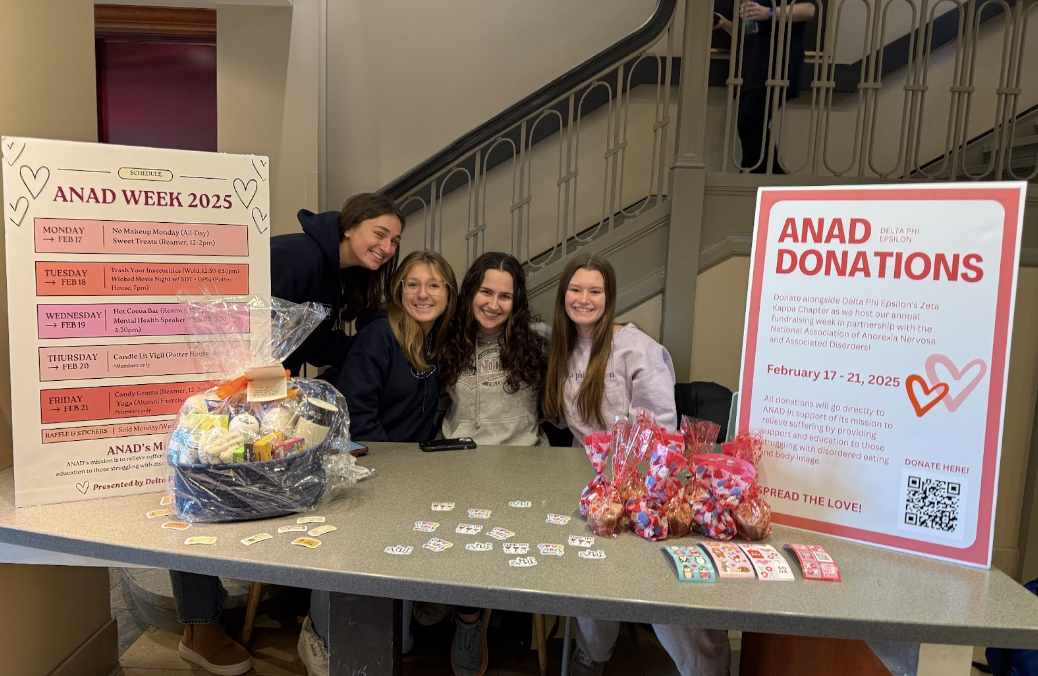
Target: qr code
[(932, 503)]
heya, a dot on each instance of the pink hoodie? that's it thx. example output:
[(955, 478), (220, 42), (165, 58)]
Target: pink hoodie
[(640, 374)]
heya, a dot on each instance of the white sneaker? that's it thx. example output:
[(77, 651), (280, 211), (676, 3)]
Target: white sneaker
[(312, 650)]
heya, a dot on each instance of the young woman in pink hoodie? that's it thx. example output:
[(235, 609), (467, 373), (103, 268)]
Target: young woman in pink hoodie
[(598, 370)]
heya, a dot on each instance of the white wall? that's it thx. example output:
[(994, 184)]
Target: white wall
[(406, 78), (267, 98), (48, 84)]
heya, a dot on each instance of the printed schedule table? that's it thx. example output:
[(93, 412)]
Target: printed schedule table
[(884, 595), (105, 244)]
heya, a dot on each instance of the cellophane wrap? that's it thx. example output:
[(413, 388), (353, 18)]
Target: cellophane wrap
[(699, 436), (596, 445), (649, 516), (720, 482), (752, 517), (232, 459)]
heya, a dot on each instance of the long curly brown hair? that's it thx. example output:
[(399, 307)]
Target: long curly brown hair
[(524, 352)]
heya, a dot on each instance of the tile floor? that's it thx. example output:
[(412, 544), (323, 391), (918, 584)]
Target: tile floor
[(149, 651)]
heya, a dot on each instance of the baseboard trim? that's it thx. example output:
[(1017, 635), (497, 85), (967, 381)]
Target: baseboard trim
[(96, 656)]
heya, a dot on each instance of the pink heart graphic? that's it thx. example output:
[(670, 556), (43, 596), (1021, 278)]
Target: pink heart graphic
[(955, 376)]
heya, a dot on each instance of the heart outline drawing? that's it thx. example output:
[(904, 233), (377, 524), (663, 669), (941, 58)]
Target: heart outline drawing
[(33, 178), (19, 211), (9, 148), (263, 163), (258, 217), (931, 395), (249, 188), (83, 487), (953, 402)]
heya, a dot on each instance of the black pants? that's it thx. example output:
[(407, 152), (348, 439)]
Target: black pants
[(754, 123)]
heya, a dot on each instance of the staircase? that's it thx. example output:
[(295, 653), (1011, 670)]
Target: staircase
[(550, 175), (1009, 155)]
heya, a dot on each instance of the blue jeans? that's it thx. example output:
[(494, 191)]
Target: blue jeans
[(199, 597), (200, 601)]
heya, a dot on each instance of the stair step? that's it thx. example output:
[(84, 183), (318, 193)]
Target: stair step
[(1024, 142)]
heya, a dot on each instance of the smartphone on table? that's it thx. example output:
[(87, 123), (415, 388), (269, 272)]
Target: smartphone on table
[(459, 444)]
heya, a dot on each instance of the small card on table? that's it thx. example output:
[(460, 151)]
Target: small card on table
[(816, 563), (437, 545), (201, 540), (499, 533), (729, 560), (426, 526), (515, 547), (253, 539), (442, 506), (769, 564), (523, 562), (692, 564), (468, 529), (591, 554)]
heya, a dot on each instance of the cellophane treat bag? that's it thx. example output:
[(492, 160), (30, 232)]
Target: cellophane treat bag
[(700, 436), (259, 443), (596, 445), (649, 516), (752, 516), (721, 481)]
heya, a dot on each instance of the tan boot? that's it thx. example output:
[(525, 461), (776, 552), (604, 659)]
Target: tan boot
[(209, 646)]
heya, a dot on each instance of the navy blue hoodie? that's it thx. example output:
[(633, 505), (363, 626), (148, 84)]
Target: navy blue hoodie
[(387, 401), (304, 267)]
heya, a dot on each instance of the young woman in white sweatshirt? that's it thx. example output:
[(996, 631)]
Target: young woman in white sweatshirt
[(492, 367)]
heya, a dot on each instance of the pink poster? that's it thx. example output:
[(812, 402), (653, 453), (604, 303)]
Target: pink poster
[(102, 243), (875, 359)]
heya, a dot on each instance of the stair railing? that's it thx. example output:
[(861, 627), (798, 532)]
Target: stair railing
[(566, 152)]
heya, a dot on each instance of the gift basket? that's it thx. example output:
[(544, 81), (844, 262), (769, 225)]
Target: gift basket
[(260, 443), (721, 498)]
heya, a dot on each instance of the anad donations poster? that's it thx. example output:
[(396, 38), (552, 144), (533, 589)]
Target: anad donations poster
[(875, 359)]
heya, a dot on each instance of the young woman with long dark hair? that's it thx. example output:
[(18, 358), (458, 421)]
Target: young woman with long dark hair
[(492, 367)]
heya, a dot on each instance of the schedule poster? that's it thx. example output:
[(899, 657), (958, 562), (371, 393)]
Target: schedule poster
[(875, 360), (102, 243)]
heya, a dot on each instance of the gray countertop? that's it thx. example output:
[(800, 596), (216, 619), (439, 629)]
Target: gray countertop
[(884, 595)]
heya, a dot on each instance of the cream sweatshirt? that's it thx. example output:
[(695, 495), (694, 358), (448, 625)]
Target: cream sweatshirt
[(640, 374)]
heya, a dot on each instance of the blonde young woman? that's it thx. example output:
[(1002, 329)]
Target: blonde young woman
[(598, 370), (390, 387)]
